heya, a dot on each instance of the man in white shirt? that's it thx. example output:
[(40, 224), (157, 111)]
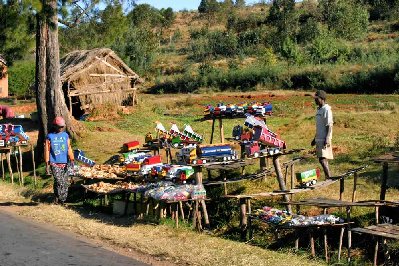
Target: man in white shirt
[(324, 124)]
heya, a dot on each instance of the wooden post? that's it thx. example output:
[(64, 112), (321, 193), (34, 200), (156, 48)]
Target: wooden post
[(204, 210), (263, 166), (221, 130), (341, 237), (292, 179), (375, 252), (2, 166), (280, 179), (325, 244), (213, 130), (20, 163), (354, 186), (17, 163), (244, 219), (177, 214), (181, 210), (377, 215), (384, 180), (34, 164), (312, 249), (341, 188), (348, 228)]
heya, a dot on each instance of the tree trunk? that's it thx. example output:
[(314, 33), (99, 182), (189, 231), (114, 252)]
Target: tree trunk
[(49, 96)]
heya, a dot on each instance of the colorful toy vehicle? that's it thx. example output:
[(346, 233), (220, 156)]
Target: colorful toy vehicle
[(131, 146), (207, 153), (253, 149), (308, 178), (180, 173), (148, 163), (133, 156)]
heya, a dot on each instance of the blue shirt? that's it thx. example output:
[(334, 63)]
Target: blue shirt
[(58, 147)]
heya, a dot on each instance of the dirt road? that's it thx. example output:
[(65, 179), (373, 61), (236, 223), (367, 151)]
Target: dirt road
[(28, 243)]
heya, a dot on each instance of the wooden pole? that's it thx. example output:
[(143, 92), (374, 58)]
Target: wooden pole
[(312, 249), (17, 162), (263, 166), (325, 238), (280, 179), (244, 219), (384, 180), (34, 164), (377, 214), (354, 186), (341, 188), (204, 210), (375, 252), (177, 214), (292, 179), (221, 130), (20, 163), (341, 237), (348, 229), (2, 166), (213, 130), (181, 210)]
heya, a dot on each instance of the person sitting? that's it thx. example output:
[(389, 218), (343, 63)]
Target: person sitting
[(6, 112)]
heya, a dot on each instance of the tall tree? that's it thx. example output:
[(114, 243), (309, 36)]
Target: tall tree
[(49, 95)]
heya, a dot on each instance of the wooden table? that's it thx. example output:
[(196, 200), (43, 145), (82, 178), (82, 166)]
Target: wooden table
[(379, 231), (386, 159)]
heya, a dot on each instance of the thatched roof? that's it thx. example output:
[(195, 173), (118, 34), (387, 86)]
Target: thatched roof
[(2, 60), (77, 61)]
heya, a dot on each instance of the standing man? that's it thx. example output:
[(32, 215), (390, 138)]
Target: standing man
[(324, 124)]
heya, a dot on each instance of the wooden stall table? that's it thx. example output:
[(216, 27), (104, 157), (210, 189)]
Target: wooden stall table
[(379, 231), (386, 159), (17, 151)]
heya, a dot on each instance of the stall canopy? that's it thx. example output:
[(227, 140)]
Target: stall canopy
[(94, 77)]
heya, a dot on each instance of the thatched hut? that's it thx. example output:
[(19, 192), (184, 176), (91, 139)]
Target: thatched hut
[(98, 76), (3, 78)]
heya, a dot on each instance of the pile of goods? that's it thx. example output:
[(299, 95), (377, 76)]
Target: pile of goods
[(101, 171), (102, 187), (171, 192), (12, 135), (279, 217), (273, 216)]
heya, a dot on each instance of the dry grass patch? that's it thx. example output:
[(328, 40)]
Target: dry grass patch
[(180, 246)]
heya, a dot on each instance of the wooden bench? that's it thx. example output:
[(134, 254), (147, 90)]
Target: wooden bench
[(379, 231)]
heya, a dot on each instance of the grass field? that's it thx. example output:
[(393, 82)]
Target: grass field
[(365, 126)]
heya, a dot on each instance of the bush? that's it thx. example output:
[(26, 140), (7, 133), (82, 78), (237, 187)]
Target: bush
[(21, 76)]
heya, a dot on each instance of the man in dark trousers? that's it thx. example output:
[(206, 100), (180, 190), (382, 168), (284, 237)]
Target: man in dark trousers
[(323, 137)]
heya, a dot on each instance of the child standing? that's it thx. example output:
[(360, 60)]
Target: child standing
[(57, 151)]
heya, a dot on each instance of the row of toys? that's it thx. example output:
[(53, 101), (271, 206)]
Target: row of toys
[(173, 137), (12, 135), (257, 138), (238, 110), (283, 218)]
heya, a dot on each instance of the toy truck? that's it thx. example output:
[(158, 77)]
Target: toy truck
[(207, 153), (253, 149), (268, 138), (148, 163), (308, 178), (180, 173), (131, 146), (129, 157)]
